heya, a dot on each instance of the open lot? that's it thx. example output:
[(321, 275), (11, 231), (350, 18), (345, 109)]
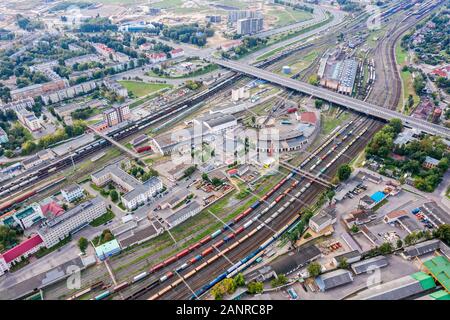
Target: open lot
[(140, 89)]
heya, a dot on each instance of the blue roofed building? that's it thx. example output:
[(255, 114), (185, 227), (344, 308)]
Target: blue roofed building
[(23, 218), (108, 249)]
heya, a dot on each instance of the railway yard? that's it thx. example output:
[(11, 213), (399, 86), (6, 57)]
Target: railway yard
[(178, 244)]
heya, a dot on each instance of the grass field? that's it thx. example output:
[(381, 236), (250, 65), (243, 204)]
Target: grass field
[(285, 36), (109, 215), (301, 63), (401, 56), (288, 16), (199, 72), (140, 89), (408, 88), (329, 121)]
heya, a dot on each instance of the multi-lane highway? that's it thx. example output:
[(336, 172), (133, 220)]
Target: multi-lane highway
[(333, 97)]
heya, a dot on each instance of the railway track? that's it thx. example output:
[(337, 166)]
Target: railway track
[(268, 202), (194, 280), (174, 291)]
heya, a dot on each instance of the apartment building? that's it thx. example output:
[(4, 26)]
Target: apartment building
[(116, 87), (17, 253), (36, 90), (116, 114), (72, 192), (28, 119), (136, 192), (249, 26), (71, 221)]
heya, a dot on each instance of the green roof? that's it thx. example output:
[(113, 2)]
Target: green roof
[(440, 295), (25, 213), (108, 248), (425, 280), (439, 267)]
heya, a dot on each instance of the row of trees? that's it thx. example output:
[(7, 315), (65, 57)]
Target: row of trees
[(61, 134), (82, 114), (248, 44), (382, 142), (227, 286), (191, 33), (28, 24), (8, 237)]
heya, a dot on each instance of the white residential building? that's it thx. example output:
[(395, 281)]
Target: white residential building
[(137, 192), (71, 221), (72, 192)]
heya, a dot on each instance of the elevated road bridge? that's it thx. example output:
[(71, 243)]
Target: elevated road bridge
[(336, 98)]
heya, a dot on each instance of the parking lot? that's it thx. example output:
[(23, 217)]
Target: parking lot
[(397, 267)]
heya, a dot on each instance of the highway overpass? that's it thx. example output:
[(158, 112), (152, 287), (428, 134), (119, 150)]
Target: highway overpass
[(336, 98)]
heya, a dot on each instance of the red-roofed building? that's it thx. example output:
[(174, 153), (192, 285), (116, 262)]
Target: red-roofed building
[(157, 57), (394, 216), (442, 72), (307, 117), (175, 53), (24, 249), (51, 210)]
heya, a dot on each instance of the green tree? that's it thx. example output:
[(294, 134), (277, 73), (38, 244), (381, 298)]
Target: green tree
[(399, 243), (354, 228), (344, 172), (255, 287), (239, 280), (343, 264), (229, 285), (83, 244), (114, 195), (314, 80), (314, 269), (410, 239), (8, 237), (280, 280), (396, 125), (318, 103), (218, 291), (386, 248), (443, 233), (330, 194)]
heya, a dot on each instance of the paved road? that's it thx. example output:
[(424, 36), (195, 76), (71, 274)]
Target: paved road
[(339, 99), (338, 18), (318, 16)]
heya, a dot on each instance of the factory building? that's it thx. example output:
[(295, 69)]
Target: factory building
[(398, 289), (338, 75), (333, 279)]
